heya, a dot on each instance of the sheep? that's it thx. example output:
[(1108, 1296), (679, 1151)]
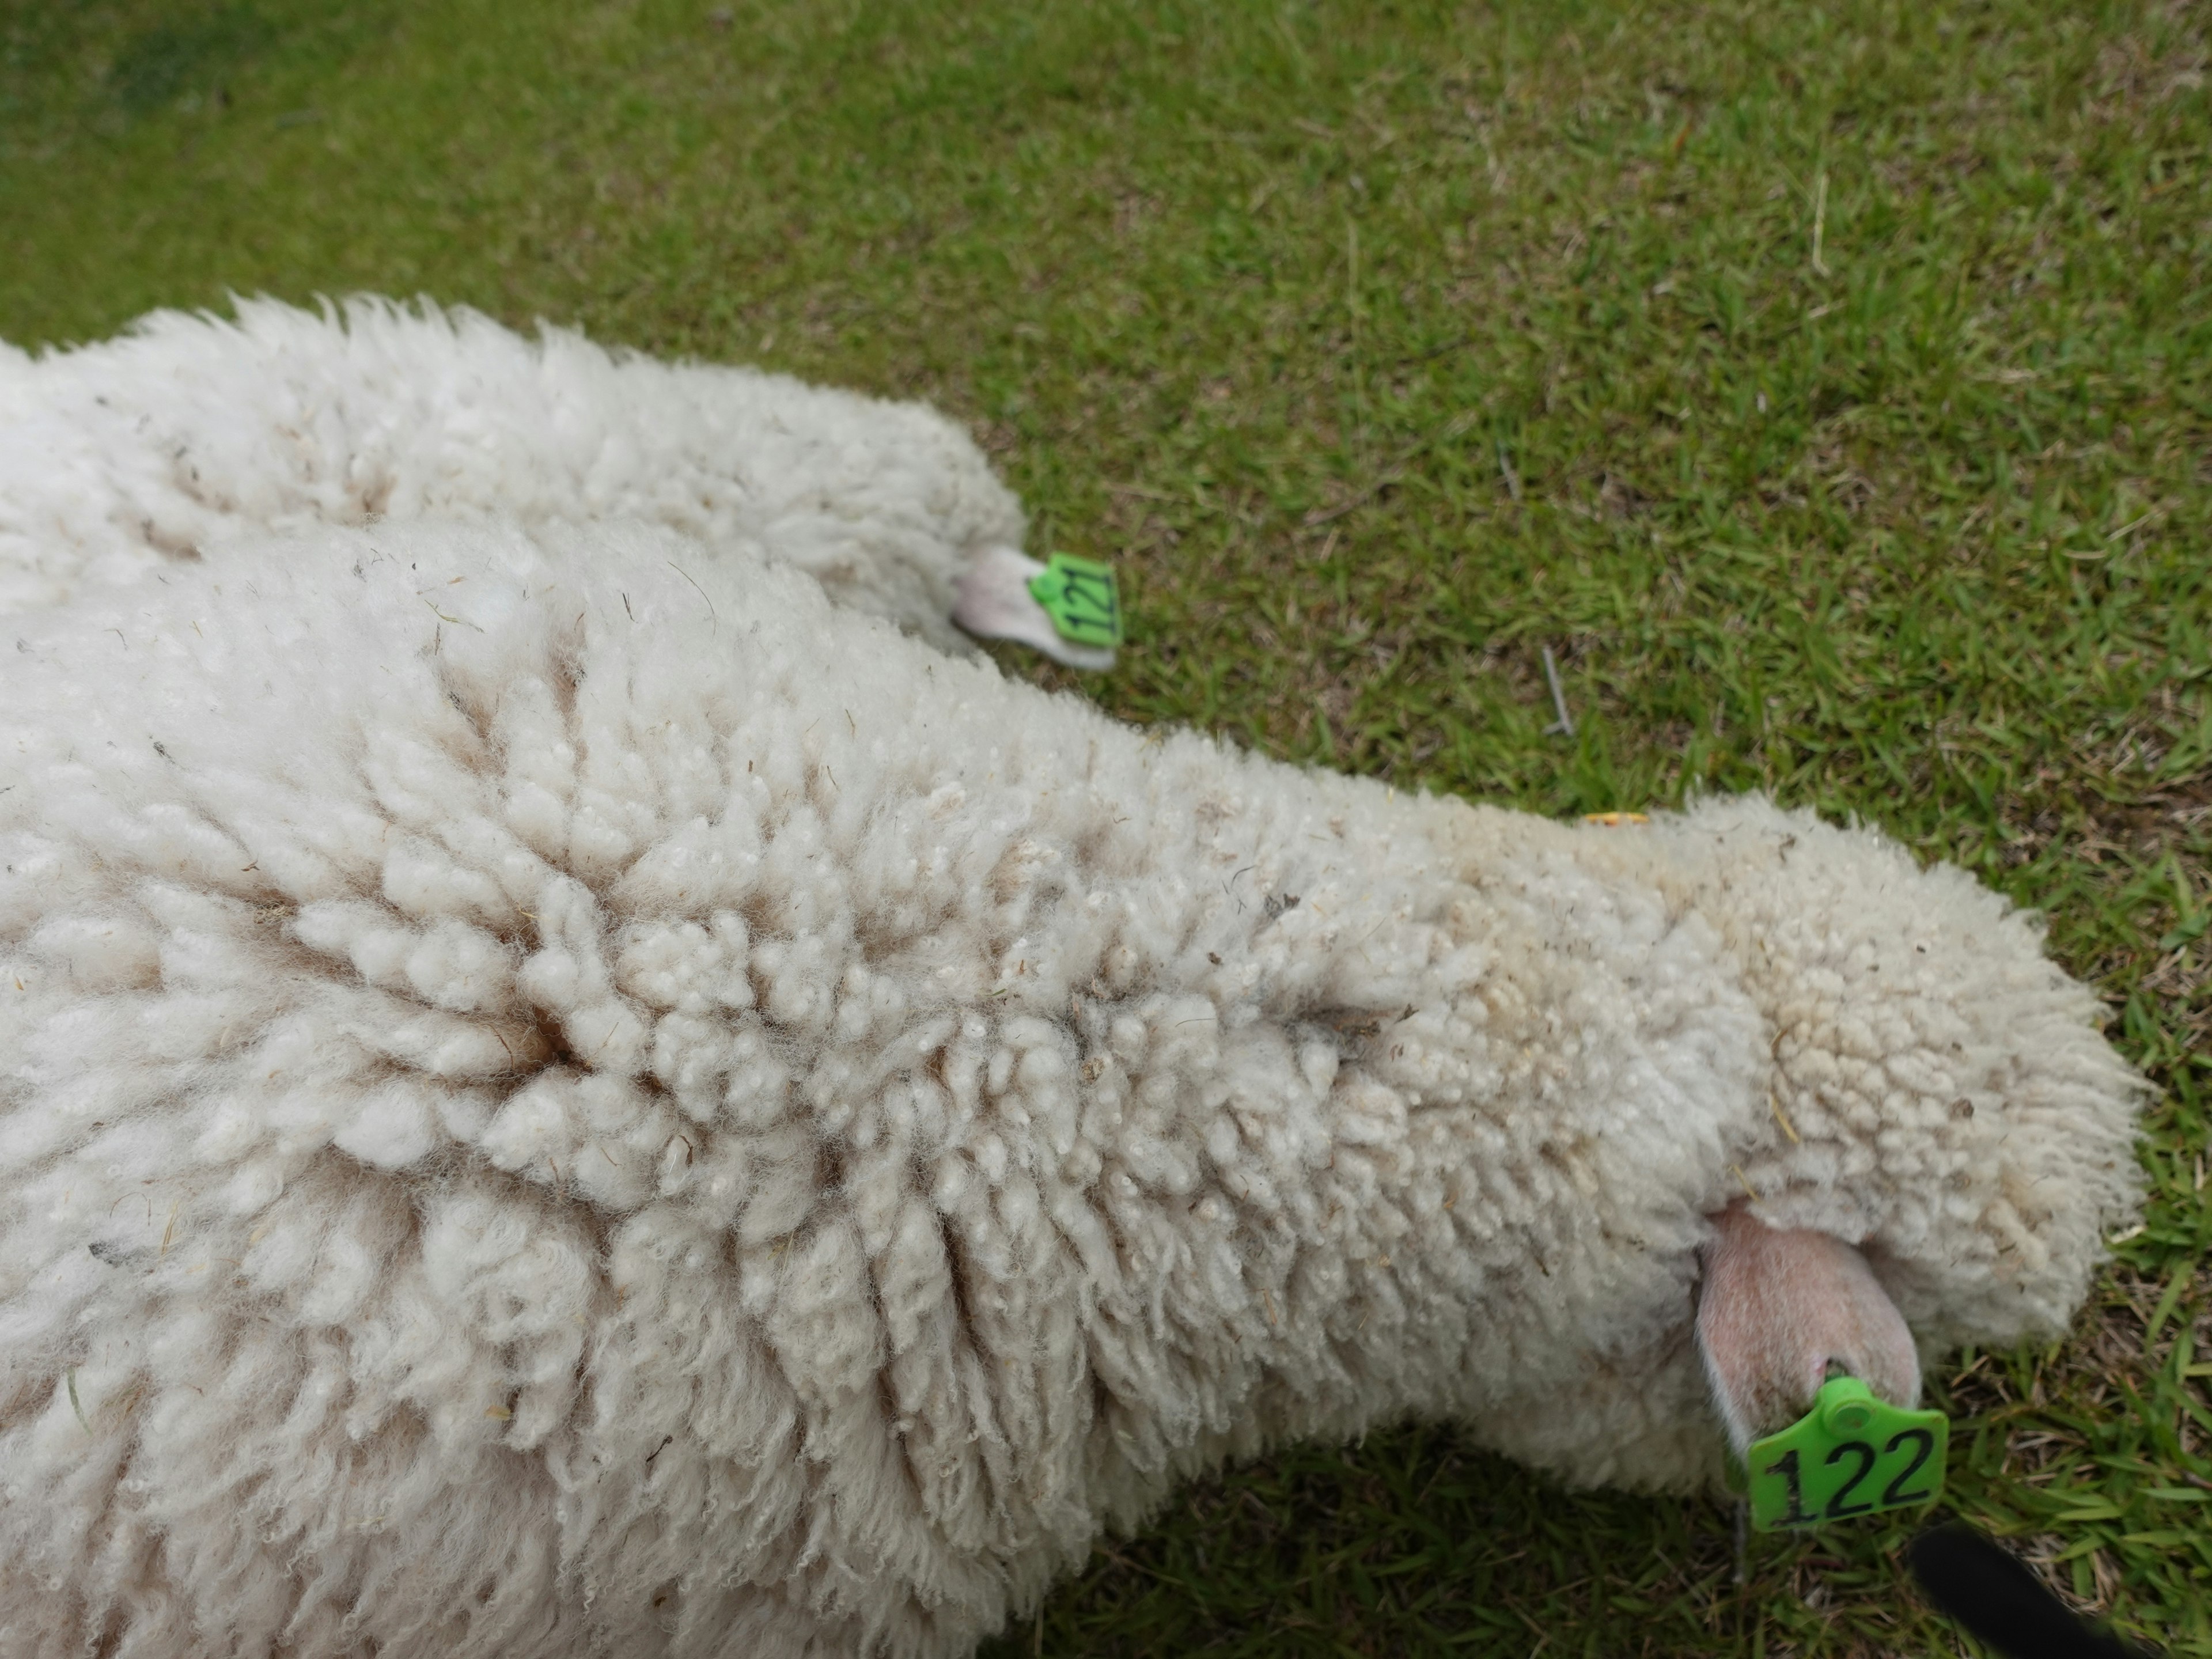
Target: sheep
[(561, 1097), (124, 457)]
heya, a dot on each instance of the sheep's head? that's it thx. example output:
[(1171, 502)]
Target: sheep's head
[(1943, 1138), (1849, 1114)]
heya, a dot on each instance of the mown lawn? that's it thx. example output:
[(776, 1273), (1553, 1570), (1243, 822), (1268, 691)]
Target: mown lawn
[(1830, 389)]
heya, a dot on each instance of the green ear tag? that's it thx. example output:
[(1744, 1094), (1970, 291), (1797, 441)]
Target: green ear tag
[(1851, 1455), (1080, 597)]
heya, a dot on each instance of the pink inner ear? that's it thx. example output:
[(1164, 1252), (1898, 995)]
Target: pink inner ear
[(1778, 1308)]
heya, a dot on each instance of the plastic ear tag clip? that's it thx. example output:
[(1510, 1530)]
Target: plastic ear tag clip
[(1851, 1455), (1081, 597)]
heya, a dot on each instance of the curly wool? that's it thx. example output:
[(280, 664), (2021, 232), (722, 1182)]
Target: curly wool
[(121, 459), (612, 1118)]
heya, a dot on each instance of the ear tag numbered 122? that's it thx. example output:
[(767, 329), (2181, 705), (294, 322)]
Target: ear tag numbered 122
[(1852, 1454), (1081, 597)]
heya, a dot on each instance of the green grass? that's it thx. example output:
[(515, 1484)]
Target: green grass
[(1828, 388)]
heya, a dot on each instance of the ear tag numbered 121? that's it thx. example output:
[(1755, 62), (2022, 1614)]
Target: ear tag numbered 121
[(1081, 597), (1851, 1455)]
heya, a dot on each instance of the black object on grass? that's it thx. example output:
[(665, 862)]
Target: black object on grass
[(2000, 1602)]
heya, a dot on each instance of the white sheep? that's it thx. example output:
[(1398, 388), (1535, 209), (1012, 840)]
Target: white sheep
[(127, 457), (560, 1096)]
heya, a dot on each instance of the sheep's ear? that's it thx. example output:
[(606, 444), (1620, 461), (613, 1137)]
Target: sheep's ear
[(994, 603), (1778, 1309)]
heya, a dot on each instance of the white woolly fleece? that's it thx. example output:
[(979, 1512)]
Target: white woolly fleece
[(546, 1111), (124, 458)]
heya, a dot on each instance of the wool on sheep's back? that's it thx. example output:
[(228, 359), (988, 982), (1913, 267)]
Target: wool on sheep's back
[(502, 1110), (556, 1102)]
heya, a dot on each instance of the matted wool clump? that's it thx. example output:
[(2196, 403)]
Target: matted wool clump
[(552, 1105)]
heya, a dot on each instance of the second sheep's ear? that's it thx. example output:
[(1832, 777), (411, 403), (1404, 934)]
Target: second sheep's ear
[(996, 602)]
